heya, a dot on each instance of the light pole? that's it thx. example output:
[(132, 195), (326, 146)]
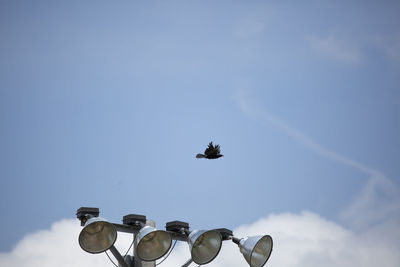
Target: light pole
[(150, 244)]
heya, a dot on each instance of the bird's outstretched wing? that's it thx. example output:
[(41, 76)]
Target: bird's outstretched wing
[(210, 149), (211, 152)]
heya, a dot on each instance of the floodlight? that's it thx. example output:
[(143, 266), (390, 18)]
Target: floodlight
[(152, 243), (204, 245), (255, 249), (97, 235)]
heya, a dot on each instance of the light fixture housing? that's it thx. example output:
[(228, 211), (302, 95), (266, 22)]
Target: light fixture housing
[(97, 235), (256, 249), (204, 245), (152, 243)]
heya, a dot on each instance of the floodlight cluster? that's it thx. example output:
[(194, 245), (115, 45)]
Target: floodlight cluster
[(150, 244)]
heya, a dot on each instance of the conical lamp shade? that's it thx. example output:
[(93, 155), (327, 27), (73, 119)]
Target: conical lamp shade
[(97, 235), (204, 245), (152, 243), (256, 249)]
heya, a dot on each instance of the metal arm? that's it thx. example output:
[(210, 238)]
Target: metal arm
[(187, 263), (118, 256)]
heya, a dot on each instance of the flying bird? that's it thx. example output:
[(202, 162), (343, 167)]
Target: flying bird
[(212, 152)]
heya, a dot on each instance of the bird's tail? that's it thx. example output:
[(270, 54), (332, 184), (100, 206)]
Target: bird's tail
[(199, 156)]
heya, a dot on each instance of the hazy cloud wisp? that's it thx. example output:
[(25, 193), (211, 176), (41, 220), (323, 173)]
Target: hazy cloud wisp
[(378, 200)]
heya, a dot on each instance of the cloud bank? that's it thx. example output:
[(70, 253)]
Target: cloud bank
[(304, 239)]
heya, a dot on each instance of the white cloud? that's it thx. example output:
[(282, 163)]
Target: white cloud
[(57, 246), (307, 239), (340, 49), (304, 239)]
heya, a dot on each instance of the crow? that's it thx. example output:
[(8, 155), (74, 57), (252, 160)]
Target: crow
[(212, 152)]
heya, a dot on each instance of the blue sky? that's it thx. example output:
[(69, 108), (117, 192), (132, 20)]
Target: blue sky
[(106, 104)]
